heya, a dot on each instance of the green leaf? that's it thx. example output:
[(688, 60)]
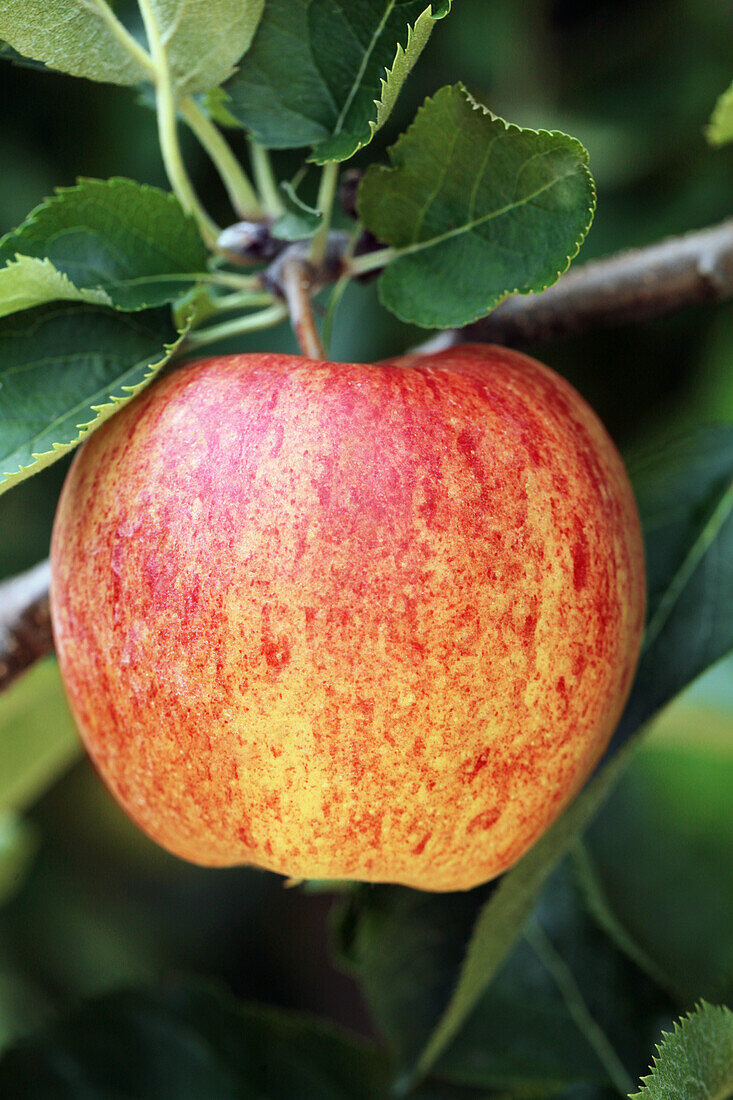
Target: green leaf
[(38, 739), (670, 906), (299, 220), (695, 1061), (720, 129), (215, 101), (26, 282), (502, 917), (686, 506), (685, 497), (205, 38), (405, 58), (566, 1007), (326, 73), (405, 948), (475, 209), (188, 1041), (18, 845), (64, 369), (80, 37), (7, 53), (115, 241)]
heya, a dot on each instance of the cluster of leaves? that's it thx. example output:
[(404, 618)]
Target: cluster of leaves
[(469, 210)]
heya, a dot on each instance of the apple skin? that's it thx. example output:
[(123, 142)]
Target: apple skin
[(349, 621)]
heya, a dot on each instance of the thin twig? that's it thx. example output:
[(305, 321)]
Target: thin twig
[(326, 196), (297, 280), (25, 622), (621, 289), (239, 326)]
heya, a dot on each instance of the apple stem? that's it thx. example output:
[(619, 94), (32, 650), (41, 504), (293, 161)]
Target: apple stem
[(297, 280), (648, 282)]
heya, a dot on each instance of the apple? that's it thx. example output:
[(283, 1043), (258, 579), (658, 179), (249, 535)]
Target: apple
[(349, 621)]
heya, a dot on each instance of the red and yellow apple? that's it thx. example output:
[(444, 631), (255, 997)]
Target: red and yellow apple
[(345, 621)]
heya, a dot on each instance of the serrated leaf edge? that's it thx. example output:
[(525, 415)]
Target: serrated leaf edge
[(678, 1028), (60, 193), (584, 160), (114, 402), (59, 196), (406, 55)]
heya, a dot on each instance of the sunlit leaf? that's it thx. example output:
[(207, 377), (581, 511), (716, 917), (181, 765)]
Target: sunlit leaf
[(18, 845), (27, 281), (115, 242), (38, 739), (80, 37), (204, 39)]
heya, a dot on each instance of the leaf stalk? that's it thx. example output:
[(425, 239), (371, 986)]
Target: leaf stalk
[(265, 180), (168, 129), (371, 261), (238, 187), (253, 322), (326, 197)]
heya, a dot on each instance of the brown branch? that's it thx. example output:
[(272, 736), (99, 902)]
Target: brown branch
[(621, 289), (25, 622)]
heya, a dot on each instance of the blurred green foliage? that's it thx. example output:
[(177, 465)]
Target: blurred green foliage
[(636, 82)]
